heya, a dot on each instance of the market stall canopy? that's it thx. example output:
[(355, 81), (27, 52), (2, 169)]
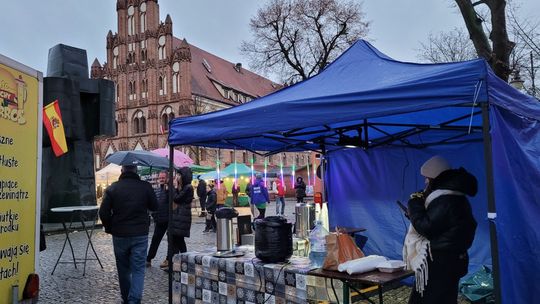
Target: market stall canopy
[(241, 169), (180, 158), (212, 175), (363, 97), (197, 169), (108, 174), (407, 112)]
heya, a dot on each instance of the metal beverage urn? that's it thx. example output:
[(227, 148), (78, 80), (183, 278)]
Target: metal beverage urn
[(305, 219), (224, 235)]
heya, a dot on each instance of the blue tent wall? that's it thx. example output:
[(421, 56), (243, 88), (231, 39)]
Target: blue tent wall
[(366, 196), (516, 162)]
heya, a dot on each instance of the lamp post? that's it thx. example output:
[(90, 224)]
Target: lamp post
[(516, 81)]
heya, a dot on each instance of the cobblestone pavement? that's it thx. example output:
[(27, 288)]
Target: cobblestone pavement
[(68, 285)]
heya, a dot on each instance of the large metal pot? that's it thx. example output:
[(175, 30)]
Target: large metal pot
[(305, 219)]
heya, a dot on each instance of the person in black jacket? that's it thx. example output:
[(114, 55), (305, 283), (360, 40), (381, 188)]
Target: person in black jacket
[(300, 188), (181, 217), (442, 230), (201, 193), (161, 218), (211, 205), (124, 214)]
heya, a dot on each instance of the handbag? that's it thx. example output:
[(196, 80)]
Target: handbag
[(340, 248)]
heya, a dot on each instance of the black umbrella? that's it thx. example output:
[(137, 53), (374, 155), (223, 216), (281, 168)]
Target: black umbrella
[(138, 158)]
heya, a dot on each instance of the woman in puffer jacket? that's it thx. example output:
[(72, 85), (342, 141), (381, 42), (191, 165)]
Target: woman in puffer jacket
[(442, 230), (181, 224)]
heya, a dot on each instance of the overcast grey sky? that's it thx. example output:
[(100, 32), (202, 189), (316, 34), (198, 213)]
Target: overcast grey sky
[(31, 27)]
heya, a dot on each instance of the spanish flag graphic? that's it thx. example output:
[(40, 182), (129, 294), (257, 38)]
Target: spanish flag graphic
[(53, 123)]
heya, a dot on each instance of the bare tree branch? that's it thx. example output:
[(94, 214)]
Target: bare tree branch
[(449, 46), (524, 57), (298, 38)]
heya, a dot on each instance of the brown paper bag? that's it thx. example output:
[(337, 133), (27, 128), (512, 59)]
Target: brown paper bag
[(340, 248)]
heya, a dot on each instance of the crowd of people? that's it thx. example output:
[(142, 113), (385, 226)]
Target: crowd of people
[(127, 203), (441, 231)]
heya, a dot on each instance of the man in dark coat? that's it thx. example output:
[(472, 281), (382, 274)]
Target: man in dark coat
[(442, 230), (124, 214), (211, 205), (201, 193), (300, 188), (181, 217), (161, 218)]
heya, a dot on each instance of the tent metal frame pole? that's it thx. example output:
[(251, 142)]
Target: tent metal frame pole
[(492, 212), (169, 235), (323, 179)]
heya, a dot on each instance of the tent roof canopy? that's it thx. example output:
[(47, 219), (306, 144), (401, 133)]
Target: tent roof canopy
[(364, 98)]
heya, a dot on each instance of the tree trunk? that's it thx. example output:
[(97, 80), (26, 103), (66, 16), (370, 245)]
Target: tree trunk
[(498, 56)]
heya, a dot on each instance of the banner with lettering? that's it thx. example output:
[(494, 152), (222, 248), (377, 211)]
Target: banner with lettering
[(20, 106)]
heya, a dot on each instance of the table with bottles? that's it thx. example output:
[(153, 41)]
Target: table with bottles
[(199, 277)]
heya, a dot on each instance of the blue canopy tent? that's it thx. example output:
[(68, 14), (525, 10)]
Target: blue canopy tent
[(400, 114)]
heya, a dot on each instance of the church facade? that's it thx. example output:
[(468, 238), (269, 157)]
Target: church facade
[(159, 77)]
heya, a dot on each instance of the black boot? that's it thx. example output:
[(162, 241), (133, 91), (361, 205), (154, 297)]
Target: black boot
[(207, 226)]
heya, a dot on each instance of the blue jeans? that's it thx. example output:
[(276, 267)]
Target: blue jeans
[(130, 254), (280, 205)]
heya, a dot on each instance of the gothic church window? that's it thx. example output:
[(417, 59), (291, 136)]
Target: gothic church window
[(166, 116), (132, 90), (144, 52), (161, 48), (142, 8), (115, 57), (143, 56), (144, 88), (176, 77), (131, 21), (162, 84), (139, 123), (131, 54)]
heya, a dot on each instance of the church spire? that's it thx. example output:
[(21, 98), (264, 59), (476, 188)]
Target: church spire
[(121, 5)]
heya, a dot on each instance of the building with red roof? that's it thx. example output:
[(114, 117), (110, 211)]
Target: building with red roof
[(159, 77)]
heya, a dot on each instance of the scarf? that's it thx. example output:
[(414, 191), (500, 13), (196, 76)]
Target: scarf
[(416, 247)]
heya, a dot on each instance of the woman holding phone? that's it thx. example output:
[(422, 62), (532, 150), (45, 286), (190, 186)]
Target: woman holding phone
[(442, 230)]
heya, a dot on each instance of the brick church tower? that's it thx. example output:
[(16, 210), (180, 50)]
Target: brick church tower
[(159, 77)]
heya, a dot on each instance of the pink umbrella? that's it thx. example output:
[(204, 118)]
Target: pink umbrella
[(180, 158)]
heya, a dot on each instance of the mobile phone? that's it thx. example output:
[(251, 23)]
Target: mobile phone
[(404, 208)]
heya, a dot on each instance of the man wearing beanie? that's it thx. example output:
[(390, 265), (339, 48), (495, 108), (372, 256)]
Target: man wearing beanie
[(442, 230)]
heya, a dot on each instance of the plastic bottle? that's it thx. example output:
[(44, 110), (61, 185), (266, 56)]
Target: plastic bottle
[(317, 241)]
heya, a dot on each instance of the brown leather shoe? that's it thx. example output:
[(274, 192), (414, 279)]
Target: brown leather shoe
[(164, 264)]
